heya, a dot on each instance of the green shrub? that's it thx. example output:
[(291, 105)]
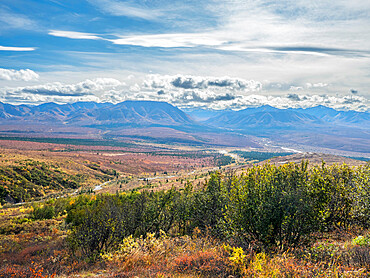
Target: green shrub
[(271, 206), (361, 241), (42, 212), (3, 195), (324, 252)]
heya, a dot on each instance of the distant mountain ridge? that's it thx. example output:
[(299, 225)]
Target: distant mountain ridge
[(163, 113), (270, 117), (318, 126), (335, 116), (92, 113)]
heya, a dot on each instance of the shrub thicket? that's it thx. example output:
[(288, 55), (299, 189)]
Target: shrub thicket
[(29, 179), (42, 212), (271, 206)]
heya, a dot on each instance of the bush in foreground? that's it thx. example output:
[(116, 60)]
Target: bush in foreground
[(268, 206)]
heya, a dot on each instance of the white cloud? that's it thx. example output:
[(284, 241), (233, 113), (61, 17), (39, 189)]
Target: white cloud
[(187, 91), (184, 91), (10, 20), (135, 88), (25, 75), (210, 100), (316, 85), (12, 48), (155, 81), (158, 40), (119, 8), (170, 40), (343, 102), (278, 49), (258, 26), (87, 90), (284, 41), (26, 98), (295, 88), (74, 35), (304, 101)]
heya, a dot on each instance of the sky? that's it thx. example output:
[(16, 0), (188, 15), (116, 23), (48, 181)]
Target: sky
[(194, 54)]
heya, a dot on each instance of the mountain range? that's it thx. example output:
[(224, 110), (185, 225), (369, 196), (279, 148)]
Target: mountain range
[(318, 126), (88, 113), (268, 117)]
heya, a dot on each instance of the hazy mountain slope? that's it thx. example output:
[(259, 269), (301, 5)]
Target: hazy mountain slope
[(263, 117), (91, 113), (315, 127), (202, 114), (348, 118), (8, 111), (143, 113), (271, 117)]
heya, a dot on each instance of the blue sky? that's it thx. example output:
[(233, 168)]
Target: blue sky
[(218, 54)]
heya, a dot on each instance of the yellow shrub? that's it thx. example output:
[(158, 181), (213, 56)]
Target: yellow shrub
[(237, 258), (261, 267)]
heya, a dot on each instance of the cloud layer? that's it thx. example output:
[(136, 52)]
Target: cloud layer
[(87, 90), (186, 91), (278, 27), (119, 8), (16, 75), (210, 100)]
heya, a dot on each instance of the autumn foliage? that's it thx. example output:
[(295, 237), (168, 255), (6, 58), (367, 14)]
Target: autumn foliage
[(268, 221)]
